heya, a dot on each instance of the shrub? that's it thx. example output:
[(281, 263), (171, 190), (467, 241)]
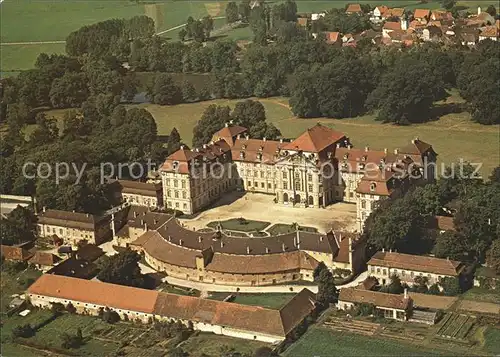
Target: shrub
[(25, 331)]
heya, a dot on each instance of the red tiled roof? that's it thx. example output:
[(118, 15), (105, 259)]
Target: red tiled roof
[(383, 9), (392, 25), (332, 36), (315, 139), (252, 149), (15, 253), (376, 298), (353, 8), (138, 188), (228, 133), (43, 258), (421, 13), (489, 31), (417, 263), (396, 12), (94, 292)]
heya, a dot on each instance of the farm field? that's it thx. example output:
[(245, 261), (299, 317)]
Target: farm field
[(215, 345), (271, 301), (492, 340), (322, 342)]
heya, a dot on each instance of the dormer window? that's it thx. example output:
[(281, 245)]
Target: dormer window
[(259, 156), (175, 165), (346, 156), (244, 147), (242, 155), (361, 166), (261, 148), (373, 186), (363, 158)]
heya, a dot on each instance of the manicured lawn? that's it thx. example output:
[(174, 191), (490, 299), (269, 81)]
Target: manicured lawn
[(322, 342), (271, 301), (235, 224), (214, 345), (481, 294), (21, 57), (492, 340), (279, 228)]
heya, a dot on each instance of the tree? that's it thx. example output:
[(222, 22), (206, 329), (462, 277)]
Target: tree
[(421, 284), (165, 91), (317, 271), (213, 118), (174, 141), (232, 14), (244, 10), (448, 4), (24, 331), (248, 113), (327, 291), (493, 256), (434, 289), (395, 286), (495, 175), (450, 245), (406, 94), (110, 316), (188, 91), (123, 269), (69, 91), (208, 25), (451, 286), (72, 341), (139, 27), (182, 34), (491, 9), (265, 352)]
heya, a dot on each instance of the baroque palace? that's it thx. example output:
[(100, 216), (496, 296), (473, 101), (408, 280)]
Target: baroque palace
[(318, 168)]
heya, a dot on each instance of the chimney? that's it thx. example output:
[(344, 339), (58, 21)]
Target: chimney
[(226, 124), (349, 146), (247, 137), (135, 214), (383, 250), (238, 136), (281, 141), (321, 238), (268, 250), (221, 244), (396, 151), (283, 247), (169, 238), (338, 146), (479, 10), (204, 146), (199, 239), (156, 221), (145, 226), (385, 150), (180, 242), (44, 209), (113, 230), (231, 122), (367, 148), (142, 222), (182, 147), (406, 293), (248, 250)]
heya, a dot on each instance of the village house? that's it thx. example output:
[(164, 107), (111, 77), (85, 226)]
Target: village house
[(390, 26), (489, 33), (382, 13), (407, 267), (397, 307), (73, 227), (481, 19), (354, 9), (44, 261), (139, 193), (333, 37), (223, 318), (437, 15), (15, 253), (432, 33), (422, 15)]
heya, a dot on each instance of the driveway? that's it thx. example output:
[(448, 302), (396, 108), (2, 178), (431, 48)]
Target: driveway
[(260, 207)]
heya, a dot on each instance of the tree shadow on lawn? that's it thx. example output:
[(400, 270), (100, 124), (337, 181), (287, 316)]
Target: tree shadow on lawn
[(440, 110)]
